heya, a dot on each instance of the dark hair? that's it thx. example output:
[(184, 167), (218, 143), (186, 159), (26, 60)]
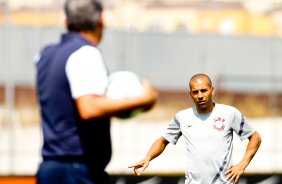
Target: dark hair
[(82, 15)]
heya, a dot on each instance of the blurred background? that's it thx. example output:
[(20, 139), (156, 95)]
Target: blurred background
[(237, 42)]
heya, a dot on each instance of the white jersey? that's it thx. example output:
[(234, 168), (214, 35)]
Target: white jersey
[(208, 139)]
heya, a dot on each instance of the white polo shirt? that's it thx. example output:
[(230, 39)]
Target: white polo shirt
[(86, 72), (208, 139)]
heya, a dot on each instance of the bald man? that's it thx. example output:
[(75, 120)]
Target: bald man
[(207, 129)]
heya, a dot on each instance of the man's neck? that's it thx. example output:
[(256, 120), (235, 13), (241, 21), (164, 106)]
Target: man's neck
[(206, 111), (90, 36)]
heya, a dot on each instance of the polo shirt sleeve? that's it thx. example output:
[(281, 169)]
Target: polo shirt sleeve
[(172, 133), (86, 72), (241, 125)]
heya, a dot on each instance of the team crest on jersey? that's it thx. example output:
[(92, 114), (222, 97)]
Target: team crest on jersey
[(218, 124)]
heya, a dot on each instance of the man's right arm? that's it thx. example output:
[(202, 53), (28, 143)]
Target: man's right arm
[(94, 106), (87, 76), (156, 149)]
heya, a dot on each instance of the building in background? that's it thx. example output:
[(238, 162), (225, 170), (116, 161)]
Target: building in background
[(212, 17), (229, 17)]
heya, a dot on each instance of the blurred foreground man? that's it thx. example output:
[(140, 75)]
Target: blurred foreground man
[(207, 129), (71, 82)]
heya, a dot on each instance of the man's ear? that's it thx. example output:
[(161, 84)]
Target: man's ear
[(65, 22), (213, 90), (101, 20)]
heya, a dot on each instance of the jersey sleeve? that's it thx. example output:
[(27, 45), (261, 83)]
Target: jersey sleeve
[(86, 72), (172, 133), (241, 125)]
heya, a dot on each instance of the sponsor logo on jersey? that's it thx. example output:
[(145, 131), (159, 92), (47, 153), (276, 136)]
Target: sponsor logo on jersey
[(218, 124)]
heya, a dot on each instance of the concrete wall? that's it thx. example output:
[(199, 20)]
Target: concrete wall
[(168, 60)]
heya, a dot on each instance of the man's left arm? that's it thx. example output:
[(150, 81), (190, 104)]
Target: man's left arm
[(234, 173)]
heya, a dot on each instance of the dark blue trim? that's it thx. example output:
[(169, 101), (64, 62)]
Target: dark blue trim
[(242, 125), (220, 170), (174, 118)]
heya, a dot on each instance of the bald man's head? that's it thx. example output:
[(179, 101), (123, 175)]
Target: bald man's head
[(202, 91), (200, 78)]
